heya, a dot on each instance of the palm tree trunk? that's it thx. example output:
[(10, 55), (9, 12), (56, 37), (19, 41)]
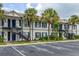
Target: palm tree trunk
[(76, 29), (32, 30), (72, 31), (48, 30)]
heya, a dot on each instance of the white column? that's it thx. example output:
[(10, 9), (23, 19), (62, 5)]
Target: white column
[(5, 36), (5, 23)]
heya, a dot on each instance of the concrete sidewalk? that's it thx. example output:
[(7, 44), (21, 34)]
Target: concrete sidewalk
[(10, 44)]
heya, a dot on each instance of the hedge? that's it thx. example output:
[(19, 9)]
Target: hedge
[(76, 36)]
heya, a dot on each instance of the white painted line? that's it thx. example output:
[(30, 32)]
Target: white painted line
[(58, 47), (18, 51), (42, 49), (74, 44)]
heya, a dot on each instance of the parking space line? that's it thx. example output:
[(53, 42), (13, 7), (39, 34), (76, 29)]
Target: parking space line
[(18, 51), (42, 49), (58, 47), (74, 44)]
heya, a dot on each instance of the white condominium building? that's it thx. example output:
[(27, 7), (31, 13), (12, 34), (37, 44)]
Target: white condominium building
[(13, 27)]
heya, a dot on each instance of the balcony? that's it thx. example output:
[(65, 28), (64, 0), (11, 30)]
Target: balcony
[(11, 28)]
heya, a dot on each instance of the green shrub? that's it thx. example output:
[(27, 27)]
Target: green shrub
[(41, 39), (53, 38), (76, 36), (61, 38), (1, 39), (45, 38)]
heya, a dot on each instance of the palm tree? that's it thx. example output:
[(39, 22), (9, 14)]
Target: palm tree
[(30, 15), (55, 21), (50, 16), (1, 12), (74, 19)]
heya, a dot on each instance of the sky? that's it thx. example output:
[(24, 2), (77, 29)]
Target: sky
[(65, 10)]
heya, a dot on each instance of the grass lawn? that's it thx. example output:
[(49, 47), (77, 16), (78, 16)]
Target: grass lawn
[(2, 43), (20, 42), (34, 41)]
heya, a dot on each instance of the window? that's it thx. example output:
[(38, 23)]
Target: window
[(51, 25), (0, 23), (38, 24), (20, 33), (60, 26), (66, 26), (54, 34), (26, 23), (44, 34), (3, 34), (44, 25), (38, 34), (27, 34), (74, 27), (19, 22)]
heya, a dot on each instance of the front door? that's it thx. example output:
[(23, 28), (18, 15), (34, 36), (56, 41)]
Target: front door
[(9, 23), (13, 36), (8, 36), (13, 23)]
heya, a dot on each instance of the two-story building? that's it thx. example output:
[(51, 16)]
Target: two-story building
[(13, 27)]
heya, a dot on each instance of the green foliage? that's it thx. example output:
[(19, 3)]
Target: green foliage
[(56, 26), (52, 38), (73, 19), (1, 39), (70, 36), (30, 14), (1, 12), (76, 36)]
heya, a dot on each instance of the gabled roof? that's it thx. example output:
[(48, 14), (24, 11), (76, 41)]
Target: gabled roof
[(63, 21), (13, 13)]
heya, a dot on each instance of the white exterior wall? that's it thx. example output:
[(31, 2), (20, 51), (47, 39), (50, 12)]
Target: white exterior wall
[(36, 29), (77, 29)]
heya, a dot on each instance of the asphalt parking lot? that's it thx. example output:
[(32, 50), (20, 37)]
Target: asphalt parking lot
[(49, 49)]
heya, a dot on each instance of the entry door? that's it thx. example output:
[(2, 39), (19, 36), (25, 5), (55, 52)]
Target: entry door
[(13, 36), (9, 22), (8, 36), (13, 23)]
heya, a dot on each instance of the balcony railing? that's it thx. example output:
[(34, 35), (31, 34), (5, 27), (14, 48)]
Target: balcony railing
[(10, 28)]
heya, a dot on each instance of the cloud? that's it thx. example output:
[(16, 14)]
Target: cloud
[(38, 8), (28, 5), (64, 10), (42, 6), (9, 9)]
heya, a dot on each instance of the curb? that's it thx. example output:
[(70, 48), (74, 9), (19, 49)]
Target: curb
[(38, 43)]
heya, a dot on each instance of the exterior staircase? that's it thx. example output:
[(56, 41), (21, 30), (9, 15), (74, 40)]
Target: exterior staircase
[(24, 36)]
